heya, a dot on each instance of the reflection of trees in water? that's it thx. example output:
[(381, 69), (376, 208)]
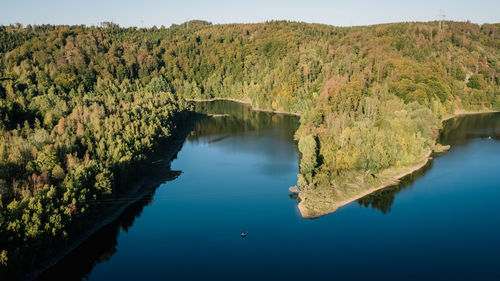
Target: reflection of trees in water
[(383, 199), (462, 129), (456, 131), (102, 245), (238, 119)]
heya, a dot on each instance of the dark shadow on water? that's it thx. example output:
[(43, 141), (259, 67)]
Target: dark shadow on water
[(101, 245), (383, 199)]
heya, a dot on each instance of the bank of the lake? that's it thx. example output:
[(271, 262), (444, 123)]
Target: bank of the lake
[(114, 208), (312, 205), (386, 178)]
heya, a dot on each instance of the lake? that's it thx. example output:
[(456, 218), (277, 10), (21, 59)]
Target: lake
[(441, 223)]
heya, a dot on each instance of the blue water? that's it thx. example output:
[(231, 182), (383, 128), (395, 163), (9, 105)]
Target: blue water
[(440, 224)]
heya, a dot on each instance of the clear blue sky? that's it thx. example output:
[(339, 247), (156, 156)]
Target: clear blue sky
[(157, 12)]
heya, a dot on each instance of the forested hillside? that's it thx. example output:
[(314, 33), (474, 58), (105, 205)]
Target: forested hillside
[(79, 106)]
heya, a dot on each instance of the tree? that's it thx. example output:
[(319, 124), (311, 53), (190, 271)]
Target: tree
[(60, 126), (58, 172), (476, 81), (158, 85), (307, 146)]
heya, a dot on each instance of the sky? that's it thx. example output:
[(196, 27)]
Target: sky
[(156, 12)]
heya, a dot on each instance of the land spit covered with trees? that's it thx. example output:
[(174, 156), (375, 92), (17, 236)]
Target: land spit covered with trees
[(83, 108)]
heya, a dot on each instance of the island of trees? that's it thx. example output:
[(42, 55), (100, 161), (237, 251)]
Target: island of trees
[(82, 107)]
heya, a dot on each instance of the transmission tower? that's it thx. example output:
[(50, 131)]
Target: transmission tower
[(442, 19)]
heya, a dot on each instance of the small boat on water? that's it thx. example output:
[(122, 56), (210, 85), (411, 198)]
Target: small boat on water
[(244, 234)]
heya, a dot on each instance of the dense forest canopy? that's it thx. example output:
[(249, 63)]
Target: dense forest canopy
[(80, 106)]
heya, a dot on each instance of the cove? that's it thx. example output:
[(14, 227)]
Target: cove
[(234, 171)]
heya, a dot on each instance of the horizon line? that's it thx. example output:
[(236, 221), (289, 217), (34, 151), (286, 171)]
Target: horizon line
[(24, 25)]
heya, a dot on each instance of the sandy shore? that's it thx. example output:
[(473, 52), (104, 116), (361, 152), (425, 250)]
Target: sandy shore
[(247, 102), (396, 179)]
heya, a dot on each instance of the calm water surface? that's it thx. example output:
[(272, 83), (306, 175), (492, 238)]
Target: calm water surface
[(442, 223)]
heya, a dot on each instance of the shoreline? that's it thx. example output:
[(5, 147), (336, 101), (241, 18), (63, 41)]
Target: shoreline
[(137, 191), (247, 102), (462, 112), (394, 181)]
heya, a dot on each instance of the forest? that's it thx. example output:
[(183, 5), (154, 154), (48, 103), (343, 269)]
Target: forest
[(81, 106)]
